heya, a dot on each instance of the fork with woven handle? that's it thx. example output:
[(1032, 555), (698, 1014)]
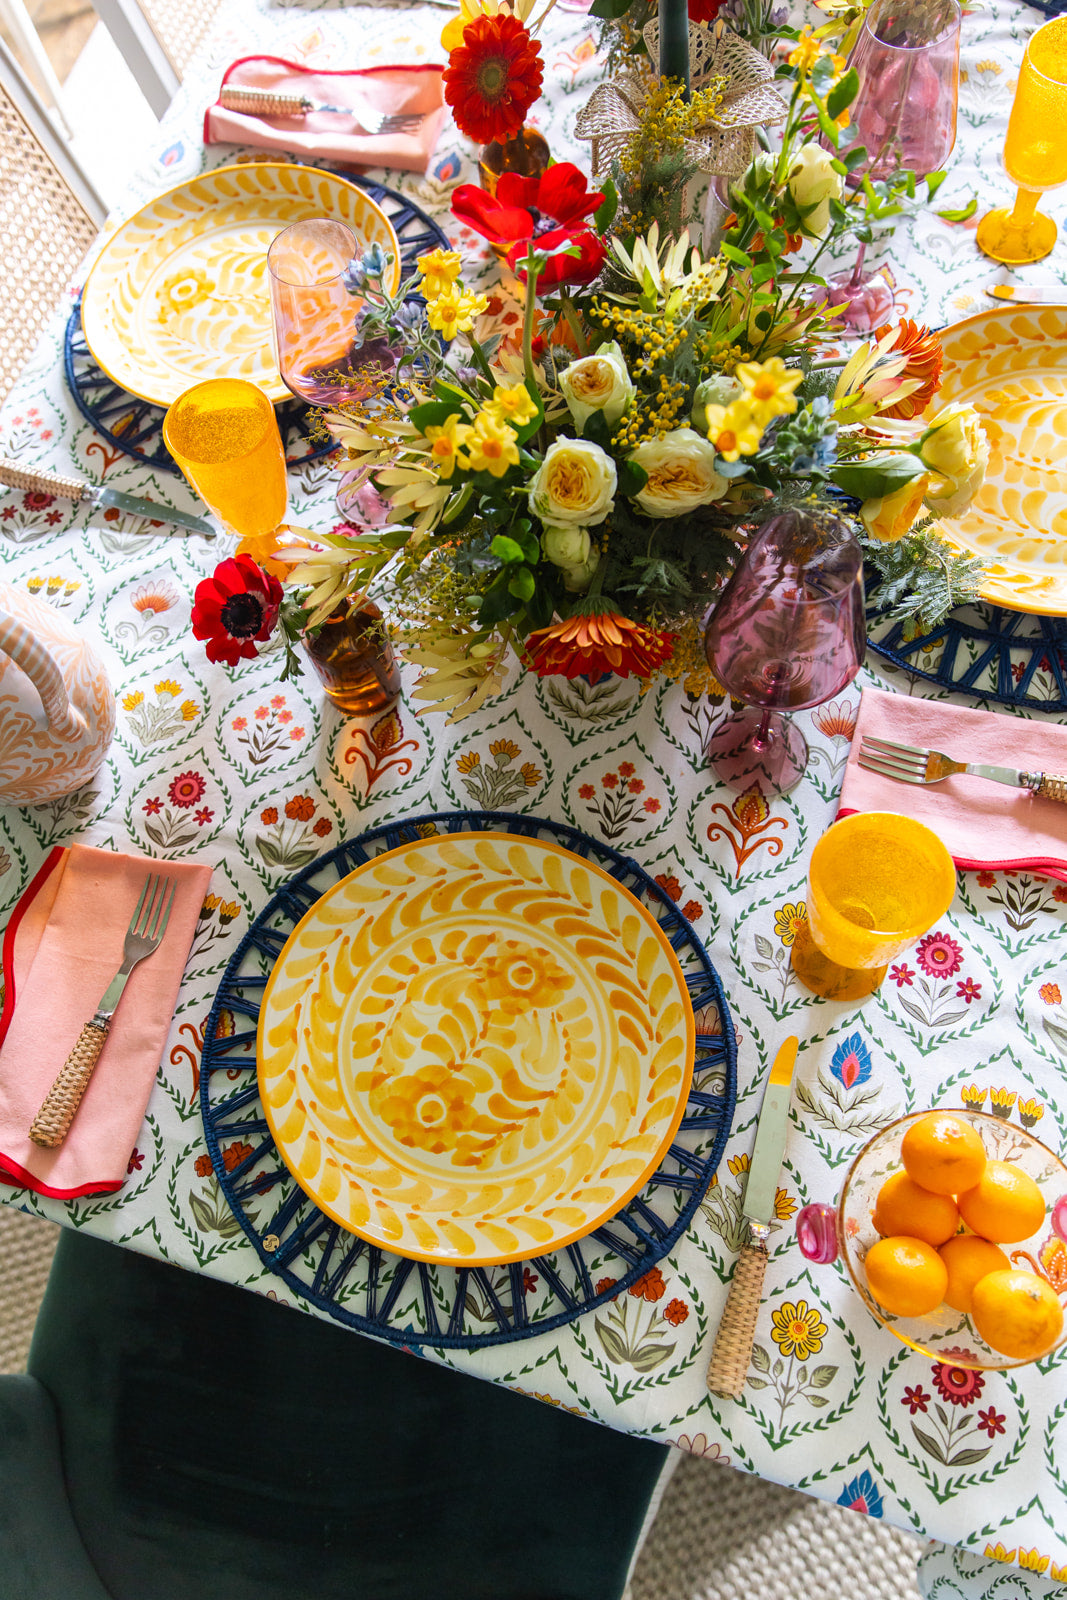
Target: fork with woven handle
[(143, 937), (908, 764), (276, 103)]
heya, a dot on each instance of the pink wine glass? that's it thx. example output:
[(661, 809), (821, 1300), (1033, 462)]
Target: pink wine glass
[(788, 632), (907, 58)]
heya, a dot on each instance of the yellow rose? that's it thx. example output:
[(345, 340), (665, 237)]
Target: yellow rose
[(955, 449), (681, 474), (600, 382), (575, 483), (813, 183), (890, 517)]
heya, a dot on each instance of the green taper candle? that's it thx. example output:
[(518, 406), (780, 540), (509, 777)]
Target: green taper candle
[(674, 41)]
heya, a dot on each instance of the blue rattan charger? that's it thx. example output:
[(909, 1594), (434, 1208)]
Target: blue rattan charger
[(134, 426), (437, 1306)]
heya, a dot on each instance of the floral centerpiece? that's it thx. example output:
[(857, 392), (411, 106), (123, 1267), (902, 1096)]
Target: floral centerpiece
[(572, 490)]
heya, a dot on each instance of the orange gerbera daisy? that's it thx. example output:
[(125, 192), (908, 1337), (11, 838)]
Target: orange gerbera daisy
[(593, 645), (923, 350), (493, 77)]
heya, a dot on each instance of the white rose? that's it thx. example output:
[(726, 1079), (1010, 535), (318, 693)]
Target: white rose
[(681, 474), (600, 382), (720, 390), (565, 547), (813, 182), (575, 484)]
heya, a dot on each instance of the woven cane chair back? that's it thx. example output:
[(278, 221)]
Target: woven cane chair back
[(180, 25)]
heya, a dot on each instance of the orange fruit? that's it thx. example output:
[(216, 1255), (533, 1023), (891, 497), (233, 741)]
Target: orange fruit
[(1005, 1204), (1017, 1313), (969, 1258), (906, 1276), (942, 1152), (903, 1206)]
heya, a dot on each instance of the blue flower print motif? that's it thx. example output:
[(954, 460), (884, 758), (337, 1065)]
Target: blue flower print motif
[(861, 1494), (851, 1063)]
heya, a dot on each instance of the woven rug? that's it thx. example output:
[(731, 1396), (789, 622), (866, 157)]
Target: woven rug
[(718, 1535)]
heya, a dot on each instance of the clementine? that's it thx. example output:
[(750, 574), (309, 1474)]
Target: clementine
[(943, 1152), (1017, 1313), (969, 1258), (1005, 1205), (903, 1206), (906, 1276)]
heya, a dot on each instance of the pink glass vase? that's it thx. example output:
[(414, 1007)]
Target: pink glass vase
[(907, 58), (788, 633)]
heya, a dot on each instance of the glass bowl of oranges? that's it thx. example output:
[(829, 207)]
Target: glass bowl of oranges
[(952, 1227)]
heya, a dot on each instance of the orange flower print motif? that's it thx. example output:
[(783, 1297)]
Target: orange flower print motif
[(747, 827), (649, 1287), (301, 808), (497, 783), (379, 749), (675, 1312), (836, 719), (1050, 994), (523, 978), (429, 1109), (788, 920), (293, 837), (623, 803)]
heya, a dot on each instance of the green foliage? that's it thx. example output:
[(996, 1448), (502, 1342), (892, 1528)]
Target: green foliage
[(921, 579)]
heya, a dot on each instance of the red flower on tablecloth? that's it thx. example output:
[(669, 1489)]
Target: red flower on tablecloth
[(529, 1281), (916, 1399), (301, 808), (991, 1422), (968, 990), (269, 815), (234, 608), (202, 1166), (153, 805), (902, 974), (493, 77), (675, 1312), (547, 212), (649, 1287), (136, 1162), (235, 1153), (939, 956), (960, 1386), (322, 827), (186, 789), (203, 816), (986, 880), (603, 1284)]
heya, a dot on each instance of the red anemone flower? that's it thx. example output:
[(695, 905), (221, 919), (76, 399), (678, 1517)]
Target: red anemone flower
[(549, 211), (493, 78), (237, 605), (704, 10)]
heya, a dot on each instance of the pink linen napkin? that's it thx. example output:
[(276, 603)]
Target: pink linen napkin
[(323, 135), (985, 825), (62, 947)]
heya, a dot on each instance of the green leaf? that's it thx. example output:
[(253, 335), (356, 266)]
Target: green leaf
[(757, 1383), (604, 215), (856, 157), (816, 1400), (760, 1358), (843, 93), (929, 1444), (506, 549), (522, 584), (934, 180), (961, 213), (614, 1348), (647, 1357), (432, 413), (968, 1458), (819, 1377), (203, 1214), (632, 479), (609, 10), (878, 475), (738, 257)]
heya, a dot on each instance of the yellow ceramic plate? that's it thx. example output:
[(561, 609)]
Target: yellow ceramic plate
[(1011, 365), (180, 293), (474, 1049)]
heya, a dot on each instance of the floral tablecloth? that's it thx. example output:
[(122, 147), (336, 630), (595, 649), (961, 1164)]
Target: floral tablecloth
[(257, 779)]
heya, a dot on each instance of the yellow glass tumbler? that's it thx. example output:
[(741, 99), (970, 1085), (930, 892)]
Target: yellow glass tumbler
[(877, 881), (1035, 151), (224, 436)]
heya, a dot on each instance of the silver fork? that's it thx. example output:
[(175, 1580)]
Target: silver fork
[(908, 764), (269, 103), (143, 936)]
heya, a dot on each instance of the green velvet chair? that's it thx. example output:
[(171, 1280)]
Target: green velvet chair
[(179, 1439)]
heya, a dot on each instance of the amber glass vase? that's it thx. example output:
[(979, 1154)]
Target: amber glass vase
[(354, 660), (526, 153)]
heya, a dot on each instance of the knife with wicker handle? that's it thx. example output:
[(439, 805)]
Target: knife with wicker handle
[(72, 488), (732, 1352)]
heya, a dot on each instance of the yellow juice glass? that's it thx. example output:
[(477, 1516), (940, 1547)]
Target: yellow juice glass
[(224, 436), (877, 881), (1035, 151)]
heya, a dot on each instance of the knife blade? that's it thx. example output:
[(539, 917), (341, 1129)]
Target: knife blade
[(1049, 294), (732, 1351), (78, 489)]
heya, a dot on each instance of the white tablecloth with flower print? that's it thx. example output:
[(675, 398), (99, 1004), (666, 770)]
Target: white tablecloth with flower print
[(257, 779)]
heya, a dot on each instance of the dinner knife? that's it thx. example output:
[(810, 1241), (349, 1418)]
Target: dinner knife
[(71, 488), (1049, 294), (732, 1351)]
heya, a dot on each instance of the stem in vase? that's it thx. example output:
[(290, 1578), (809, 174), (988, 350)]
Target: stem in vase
[(674, 42)]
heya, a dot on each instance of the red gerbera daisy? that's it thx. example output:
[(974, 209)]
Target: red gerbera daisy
[(548, 212), (704, 10), (493, 78), (592, 646), (235, 606)]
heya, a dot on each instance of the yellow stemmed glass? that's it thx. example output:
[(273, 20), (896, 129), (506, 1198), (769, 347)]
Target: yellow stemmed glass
[(876, 883), (1035, 151), (224, 436)]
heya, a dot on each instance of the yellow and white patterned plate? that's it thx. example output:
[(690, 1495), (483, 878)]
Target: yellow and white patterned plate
[(180, 292), (1011, 365), (475, 1049)]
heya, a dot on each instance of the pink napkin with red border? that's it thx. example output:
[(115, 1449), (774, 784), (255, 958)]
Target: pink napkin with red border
[(326, 135), (985, 825), (62, 947)]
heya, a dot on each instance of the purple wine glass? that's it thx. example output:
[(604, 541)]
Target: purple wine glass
[(907, 58), (788, 632)]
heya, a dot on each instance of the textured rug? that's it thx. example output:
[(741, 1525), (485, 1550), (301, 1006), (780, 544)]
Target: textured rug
[(718, 1535)]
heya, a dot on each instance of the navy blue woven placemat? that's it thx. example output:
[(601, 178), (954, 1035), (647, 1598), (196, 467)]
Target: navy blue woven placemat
[(411, 1302), (134, 426)]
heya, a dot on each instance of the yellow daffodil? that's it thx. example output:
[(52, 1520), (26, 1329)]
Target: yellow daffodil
[(492, 445), (806, 54), (446, 446), (512, 405), (734, 430), (769, 387), (454, 313), (439, 269)]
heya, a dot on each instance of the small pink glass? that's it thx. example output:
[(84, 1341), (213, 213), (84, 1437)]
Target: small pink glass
[(788, 633), (847, 1230), (907, 58)]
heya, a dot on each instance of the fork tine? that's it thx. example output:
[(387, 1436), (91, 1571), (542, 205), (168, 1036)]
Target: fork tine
[(159, 928), (887, 758), (902, 774), (135, 919), (890, 747)]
